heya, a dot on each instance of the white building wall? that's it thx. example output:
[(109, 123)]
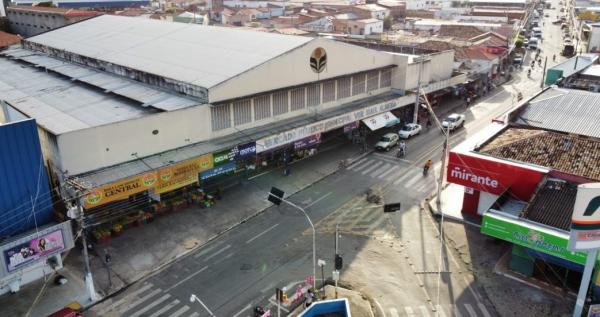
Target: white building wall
[(90, 149), (594, 42), (293, 69)]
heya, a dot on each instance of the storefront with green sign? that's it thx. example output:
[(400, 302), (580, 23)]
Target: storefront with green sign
[(536, 249)]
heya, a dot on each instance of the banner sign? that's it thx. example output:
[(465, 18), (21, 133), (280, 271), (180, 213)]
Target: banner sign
[(223, 157), (351, 126), (139, 183), (218, 170), (308, 142), (175, 183), (245, 150), (36, 248), (293, 135), (585, 221), (381, 120), (540, 239), (491, 176)]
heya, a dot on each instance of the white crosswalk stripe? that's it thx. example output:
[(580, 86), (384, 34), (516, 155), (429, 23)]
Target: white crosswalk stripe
[(457, 311), (139, 301), (373, 166), (151, 305), (353, 165), (470, 310), (439, 311), (378, 171), (126, 298), (394, 312), (165, 308), (180, 311), (424, 311), (360, 166), (484, 310), (409, 183), (390, 171), (409, 311), (195, 314)]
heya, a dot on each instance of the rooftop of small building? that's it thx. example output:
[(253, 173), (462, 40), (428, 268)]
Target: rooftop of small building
[(552, 204), (66, 11), (576, 64), (196, 54), (567, 153)]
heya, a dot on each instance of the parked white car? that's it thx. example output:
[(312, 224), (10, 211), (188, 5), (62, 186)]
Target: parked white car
[(453, 121), (409, 130), (387, 141)]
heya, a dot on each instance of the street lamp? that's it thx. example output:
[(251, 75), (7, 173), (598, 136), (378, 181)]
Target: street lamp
[(276, 197), (194, 297)]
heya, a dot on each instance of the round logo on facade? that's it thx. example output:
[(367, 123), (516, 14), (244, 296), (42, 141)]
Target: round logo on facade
[(149, 179), (94, 197), (166, 174), (318, 60)]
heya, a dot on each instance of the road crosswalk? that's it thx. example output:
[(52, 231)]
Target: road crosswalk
[(454, 310), (148, 301), (393, 171)]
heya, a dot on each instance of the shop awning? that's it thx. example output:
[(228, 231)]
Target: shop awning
[(381, 120)]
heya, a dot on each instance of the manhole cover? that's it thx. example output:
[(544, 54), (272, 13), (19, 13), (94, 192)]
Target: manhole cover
[(245, 267)]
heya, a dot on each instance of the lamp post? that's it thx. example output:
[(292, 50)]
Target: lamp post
[(193, 298), (277, 199)]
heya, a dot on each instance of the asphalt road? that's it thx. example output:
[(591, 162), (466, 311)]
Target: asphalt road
[(241, 269)]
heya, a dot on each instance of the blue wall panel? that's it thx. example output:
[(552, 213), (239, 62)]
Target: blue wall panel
[(24, 185)]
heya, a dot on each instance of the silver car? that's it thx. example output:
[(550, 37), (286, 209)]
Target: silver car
[(387, 141)]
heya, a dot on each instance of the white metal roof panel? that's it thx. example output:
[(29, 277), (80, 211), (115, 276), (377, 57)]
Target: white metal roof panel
[(58, 104), (565, 110), (196, 54)]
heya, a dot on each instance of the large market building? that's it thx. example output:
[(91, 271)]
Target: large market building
[(132, 108), (520, 177)]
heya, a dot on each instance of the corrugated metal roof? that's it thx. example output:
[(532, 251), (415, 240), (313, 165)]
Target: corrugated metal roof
[(58, 104), (575, 64), (565, 110), (195, 54), (117, 172), (145, 94)]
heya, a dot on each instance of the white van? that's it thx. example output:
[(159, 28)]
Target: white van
[(533, 43), (536, 32)]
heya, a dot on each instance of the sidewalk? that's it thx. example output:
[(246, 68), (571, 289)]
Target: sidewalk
[(451, 205), (143, 250)]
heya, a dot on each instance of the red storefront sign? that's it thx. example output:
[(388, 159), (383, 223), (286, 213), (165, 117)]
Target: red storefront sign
[(491, 176)]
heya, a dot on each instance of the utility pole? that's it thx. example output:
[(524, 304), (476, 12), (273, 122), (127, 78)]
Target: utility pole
[(544, 72), (334, 256), (416, 111), (89, 281)]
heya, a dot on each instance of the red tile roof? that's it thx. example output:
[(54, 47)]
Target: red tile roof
[(464, 32), (8, 39), (470, 53)]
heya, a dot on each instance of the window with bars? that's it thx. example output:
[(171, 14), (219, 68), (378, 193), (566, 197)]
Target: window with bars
[(280, 103), (242, 113), (329, 91), (220, 117), (343, 87), (358, 84), (372, 80), (262, 107), (297, 99), (386, 78), (313, 93)]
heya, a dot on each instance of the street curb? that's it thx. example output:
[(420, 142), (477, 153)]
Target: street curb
[(429, 203), (215, 236)]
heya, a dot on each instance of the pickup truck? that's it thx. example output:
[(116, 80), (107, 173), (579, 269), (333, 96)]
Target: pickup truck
[(454, 121)]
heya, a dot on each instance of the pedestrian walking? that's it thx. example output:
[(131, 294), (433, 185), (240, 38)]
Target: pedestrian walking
[(309, 298)]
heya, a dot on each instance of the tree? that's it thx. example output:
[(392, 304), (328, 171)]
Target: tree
[(519, 43), (387, 22), (47, 4)]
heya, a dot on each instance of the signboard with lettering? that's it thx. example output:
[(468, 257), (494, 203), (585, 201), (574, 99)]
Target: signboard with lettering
[(245, 150), (218, 170), (538, 239), (293, 135), (351, 126), (308, 142), (139, 183), (223, 157), (34, 249), (585, 221)]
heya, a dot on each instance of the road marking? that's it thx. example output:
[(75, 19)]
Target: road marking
[(217, 253), (262, 233), (150, 305), (410, 181), (204, 251), (124, 299), (186, 279), (241, 311), (275, 303), (409, 311), (395, 168), (180, 311), (363, 163), (139, 301), (484, 310), (384, 168), (357, 162), (424, 311), (224, 258), (195, 314), (457, 311), (318, 200), (394, 312), (371, 168), (440, 311), (165, 308), (471, 311)]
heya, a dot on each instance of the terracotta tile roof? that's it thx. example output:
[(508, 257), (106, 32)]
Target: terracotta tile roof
[(8, 39), (65, 11), (553, 204), (566, 153), (471, 53), (437, 45), (460, 31)]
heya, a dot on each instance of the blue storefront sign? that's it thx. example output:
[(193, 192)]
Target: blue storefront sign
[(308, 142), (218, 170), (245, 150)]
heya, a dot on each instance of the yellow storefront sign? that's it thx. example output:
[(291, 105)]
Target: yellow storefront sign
[(164, 179)]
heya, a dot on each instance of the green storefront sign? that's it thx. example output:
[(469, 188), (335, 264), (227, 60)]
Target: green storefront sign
[(526, 235), (223, 157)]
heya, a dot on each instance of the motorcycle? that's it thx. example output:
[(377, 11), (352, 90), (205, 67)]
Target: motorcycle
[(425, 170), (400, 153)]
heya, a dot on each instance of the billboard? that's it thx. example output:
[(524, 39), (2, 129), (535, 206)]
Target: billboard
[(585, 222)]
